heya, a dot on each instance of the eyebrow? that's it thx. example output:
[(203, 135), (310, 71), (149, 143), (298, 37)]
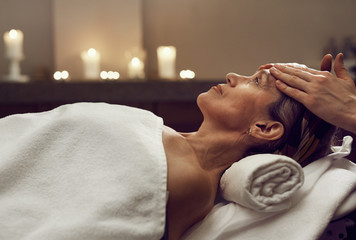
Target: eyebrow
[(266, 73)]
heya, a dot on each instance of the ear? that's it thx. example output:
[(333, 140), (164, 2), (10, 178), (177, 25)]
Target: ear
[(267, 130)]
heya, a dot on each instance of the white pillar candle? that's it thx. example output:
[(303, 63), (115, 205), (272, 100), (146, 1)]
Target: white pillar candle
[(13, 40), (91, 64), (136, 69), (166, 62), (14, 44)]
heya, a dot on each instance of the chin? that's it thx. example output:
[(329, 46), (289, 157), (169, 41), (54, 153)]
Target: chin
[(201, 100), (204, 102)]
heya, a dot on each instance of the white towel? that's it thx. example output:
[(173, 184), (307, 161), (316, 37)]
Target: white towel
[(262, 182), (82, 171), (329, 184)]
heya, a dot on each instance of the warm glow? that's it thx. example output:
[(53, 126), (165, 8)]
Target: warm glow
[(111, 75), (187, 74), (167, 51), (135, 62), (91, 52), (65, 75), (104, 75), (57, 75), (116, 75), (13, 34), (166, 62), (61, 75)]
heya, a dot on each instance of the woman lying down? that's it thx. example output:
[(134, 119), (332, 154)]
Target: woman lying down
[(100, 171)]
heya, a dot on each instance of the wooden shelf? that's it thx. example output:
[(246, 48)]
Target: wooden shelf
[(174, 101), (108, 91)]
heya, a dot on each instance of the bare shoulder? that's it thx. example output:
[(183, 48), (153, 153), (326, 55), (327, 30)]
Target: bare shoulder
[(191, 190)]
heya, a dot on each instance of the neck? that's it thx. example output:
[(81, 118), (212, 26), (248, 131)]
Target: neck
[(216, 150)]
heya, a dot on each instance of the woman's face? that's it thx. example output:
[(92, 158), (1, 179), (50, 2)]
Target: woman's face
[(241, 101)]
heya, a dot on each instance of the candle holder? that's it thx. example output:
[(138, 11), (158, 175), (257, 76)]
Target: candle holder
[(15, 71)]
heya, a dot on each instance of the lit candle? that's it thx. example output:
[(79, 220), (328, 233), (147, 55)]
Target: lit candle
[(136, 69), (187, 74), (13, 43), (91, 63), (166, 62), (111, 75), (61, 75)]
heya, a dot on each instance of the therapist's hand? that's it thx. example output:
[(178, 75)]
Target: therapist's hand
[(332, 98)]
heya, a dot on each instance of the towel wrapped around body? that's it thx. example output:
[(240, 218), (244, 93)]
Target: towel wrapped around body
[(82, 171), (262, 182)]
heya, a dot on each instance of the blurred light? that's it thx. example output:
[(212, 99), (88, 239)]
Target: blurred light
[(167, 50), (135, 62), (13, 33), (57, 75), (116, 75), (61, 75), (65, 75), (187, 74), (91, 52), (104, 75), (111, 75)]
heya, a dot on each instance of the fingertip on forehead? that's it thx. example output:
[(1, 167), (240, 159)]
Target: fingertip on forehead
[(295, 65), (265, 66), (264, 71)]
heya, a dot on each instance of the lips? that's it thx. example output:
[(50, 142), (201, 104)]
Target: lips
[(219, 88)]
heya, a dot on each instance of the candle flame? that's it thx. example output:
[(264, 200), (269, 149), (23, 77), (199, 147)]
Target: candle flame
[(167, 50), (59, 75), (187, 74), (111, 75), (135, 62), (65, 74), (116, 75), (13, 34), (91, 52), (104, 74)]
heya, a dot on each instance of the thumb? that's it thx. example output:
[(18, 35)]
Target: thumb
[(340, 69)]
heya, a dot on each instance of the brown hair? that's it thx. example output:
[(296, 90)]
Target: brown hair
[(306, 137)]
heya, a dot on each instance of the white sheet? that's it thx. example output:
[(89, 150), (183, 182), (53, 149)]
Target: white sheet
[(329, 186), (82, 171)]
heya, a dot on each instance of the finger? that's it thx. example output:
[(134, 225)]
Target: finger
[(340, 69), (326, 63), (266, 66), (291, 80), (304, 75), (306, 69), (298, 95), (296, 65)]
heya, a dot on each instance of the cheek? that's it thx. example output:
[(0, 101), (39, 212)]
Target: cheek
[(231, 115)]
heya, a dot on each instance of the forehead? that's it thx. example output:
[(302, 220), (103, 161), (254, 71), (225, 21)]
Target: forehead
[(266, 78), (267, 82), (265, 72)]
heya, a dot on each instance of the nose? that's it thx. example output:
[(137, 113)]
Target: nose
[(233, 79)]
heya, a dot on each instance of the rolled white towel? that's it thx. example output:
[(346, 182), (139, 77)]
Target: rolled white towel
[(262, 182)]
